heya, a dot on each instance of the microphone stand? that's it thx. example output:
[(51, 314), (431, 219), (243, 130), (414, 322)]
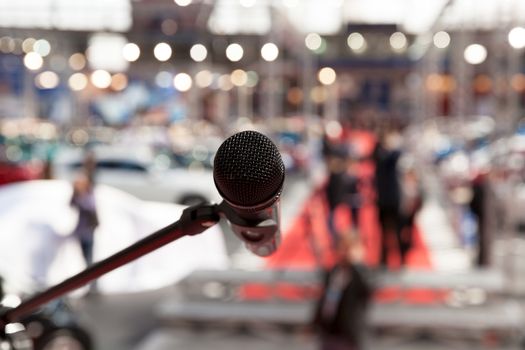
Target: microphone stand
[(194, 220)]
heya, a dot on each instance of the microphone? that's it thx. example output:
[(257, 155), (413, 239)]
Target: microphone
[(249, 175), (248, 172)]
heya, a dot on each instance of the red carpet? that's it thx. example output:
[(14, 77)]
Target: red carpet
[(306, 244)]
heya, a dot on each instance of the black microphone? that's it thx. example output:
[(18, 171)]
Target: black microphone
[(248, 172)]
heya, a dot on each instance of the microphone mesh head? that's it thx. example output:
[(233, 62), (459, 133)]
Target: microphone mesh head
[(248, 169)]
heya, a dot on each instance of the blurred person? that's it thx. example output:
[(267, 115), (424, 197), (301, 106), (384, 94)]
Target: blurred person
[(83, 199), (340, 316), (477, 205), (388, 192), (90, 165), (411, 202), (342, 188), (354, 197), (336, 189)]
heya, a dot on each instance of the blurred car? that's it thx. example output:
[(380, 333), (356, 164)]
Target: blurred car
[(145, 174), (14, 172), (38, 249)]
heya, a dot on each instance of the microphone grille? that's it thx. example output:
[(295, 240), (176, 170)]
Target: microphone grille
[(248, 169)]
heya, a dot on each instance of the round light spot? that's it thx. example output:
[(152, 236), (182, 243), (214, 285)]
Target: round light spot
[(182, 82), (131, 52), (517, 37), (234, 52), (42, 47), (198, 52), (239, 77), (313, 41), (47, 80), (441, 40), (163, 79), (269, 52), (326, 76), (101, 79), (203, 79), (162, 52), (77, 81), (475, 54), (77, 61), (33, 61), (356, 42)]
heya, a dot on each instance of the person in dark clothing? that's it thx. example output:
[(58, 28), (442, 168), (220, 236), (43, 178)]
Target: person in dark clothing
[(83, 199), (477, 205), (336, 187), (341, 312), (353, 197), (388, 192)]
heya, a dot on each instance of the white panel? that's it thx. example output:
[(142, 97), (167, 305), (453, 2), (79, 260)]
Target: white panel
[(112, 15), (229, 17), (105, 52)]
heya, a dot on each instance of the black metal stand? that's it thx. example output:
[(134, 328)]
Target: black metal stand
[(194, 220)]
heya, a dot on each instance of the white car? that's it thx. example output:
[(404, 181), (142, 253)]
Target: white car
[(38, 249), (144, 174)]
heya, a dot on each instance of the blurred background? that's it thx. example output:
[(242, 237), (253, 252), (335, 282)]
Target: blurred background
[(400, 124)]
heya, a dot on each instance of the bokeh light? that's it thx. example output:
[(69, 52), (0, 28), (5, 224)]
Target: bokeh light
[(313, 41), (119, 81), (517, 82), (517, 37), (234, 52), (162, 52), (398, 41), (131, 52), (252, 78), (182, 82), (203, 79), (225, 83), (198, 52), (295, 95), (239, 77), (356, 42), (482, 84), (475, 54), (441, 40), (440, 83), (169, 26), (101, 79), (77, 61), (27, 45), (7, 44), (42, 47), (164, 79), (77, 81), (33, 61), (318, 94), (47, 80), (269, 52), (326, 76)]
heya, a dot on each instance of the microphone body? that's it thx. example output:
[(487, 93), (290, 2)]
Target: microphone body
[(249, 174)]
